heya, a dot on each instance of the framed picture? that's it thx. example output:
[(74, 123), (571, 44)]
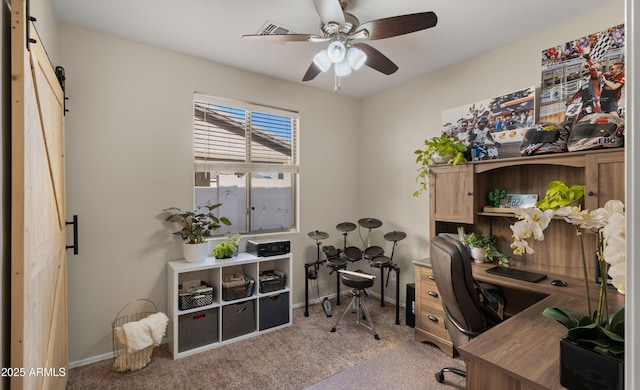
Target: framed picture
[(572, 76), (492, 128)]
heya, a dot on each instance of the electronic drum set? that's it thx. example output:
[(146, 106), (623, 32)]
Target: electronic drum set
[(338, 258)]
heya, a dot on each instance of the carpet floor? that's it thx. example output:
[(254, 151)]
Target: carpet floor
[(410, 365), (294, 357)]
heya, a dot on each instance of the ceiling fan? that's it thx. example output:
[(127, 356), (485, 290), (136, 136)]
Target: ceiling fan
[(344, 33)]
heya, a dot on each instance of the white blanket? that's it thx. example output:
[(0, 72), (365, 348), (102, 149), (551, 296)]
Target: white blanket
[(138, 335)]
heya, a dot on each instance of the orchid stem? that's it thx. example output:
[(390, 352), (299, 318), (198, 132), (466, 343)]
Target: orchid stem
[(585, 270)]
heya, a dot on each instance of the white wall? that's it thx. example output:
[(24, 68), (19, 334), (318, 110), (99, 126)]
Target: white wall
[(397, 121)]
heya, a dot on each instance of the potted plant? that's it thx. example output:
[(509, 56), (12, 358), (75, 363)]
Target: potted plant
[(227, 247), (438, 150), (483, 247), (594, 344), (197, 227)]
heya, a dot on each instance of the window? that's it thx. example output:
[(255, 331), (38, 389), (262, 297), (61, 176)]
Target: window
[(245, 157)]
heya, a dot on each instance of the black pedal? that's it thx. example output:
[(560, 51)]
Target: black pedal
[(326, 306)]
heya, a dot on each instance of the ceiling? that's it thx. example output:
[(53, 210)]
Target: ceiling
[(212, 29)]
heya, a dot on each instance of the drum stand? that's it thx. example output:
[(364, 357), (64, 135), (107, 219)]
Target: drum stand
[(394, 236), (316, 235)]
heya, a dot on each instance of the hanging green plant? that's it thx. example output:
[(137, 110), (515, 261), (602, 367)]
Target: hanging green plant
[(441, 148)]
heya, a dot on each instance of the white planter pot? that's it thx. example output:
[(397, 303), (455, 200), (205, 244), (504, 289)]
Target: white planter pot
[(478, 254), (438, 159), (195, 253)]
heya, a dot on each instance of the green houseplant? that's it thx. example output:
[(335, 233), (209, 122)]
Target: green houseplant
[(197, 226), (440, 149), (596, 331), (227, 247), (486, 243)]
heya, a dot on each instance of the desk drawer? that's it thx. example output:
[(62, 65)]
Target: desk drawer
[(425, 275), (431, 319), (429, 292)]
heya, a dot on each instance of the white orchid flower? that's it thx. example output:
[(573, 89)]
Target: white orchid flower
[(618, 274), (614, 251), (521, 246), (614, 206)]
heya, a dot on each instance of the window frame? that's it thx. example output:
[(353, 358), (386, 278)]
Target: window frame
[(247, 167)]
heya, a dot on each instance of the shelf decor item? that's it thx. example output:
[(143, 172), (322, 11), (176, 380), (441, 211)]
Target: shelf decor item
[(598, 332), (438, 150), (496, 196), (198, 225)]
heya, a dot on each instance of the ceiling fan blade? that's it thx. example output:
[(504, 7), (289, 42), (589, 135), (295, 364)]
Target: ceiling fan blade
[(329, 11), (282, 37), (399, 25), (377, 60), (312, 72)]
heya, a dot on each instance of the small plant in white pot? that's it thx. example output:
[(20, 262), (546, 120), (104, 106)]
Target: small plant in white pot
[(438, 150), (227, 247), (483, 248), (197, 227)]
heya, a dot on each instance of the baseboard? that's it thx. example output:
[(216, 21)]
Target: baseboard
[(91, 360), (105, 356)]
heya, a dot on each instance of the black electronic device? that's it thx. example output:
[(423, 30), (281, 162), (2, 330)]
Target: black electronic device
[(515, 273), (559, 283), (264, 248)]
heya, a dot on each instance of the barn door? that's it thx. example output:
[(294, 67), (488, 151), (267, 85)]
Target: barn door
[(38, 236)]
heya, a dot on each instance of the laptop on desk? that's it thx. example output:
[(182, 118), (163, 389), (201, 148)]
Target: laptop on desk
[(515, 273)]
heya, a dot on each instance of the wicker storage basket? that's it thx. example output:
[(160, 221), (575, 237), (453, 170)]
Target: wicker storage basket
[(272, 281), (123, 360), (201, 296), (229, 293)]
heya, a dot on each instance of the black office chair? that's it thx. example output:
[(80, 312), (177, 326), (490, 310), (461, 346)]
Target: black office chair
[(470, 308)]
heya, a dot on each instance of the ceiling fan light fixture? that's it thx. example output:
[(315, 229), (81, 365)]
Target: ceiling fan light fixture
[(356, 58), (343, 68), (336, 52), (322, 61)]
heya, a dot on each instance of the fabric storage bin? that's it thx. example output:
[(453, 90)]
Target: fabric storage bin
[(238, 319), (197, 329), (274, 311)]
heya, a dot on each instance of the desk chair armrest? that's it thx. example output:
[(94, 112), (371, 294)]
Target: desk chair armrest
[(455, 323)]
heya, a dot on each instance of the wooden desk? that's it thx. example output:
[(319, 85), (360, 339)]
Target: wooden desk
[(523, 352)]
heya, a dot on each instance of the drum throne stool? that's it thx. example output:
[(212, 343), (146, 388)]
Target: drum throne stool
[(358, 281)]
